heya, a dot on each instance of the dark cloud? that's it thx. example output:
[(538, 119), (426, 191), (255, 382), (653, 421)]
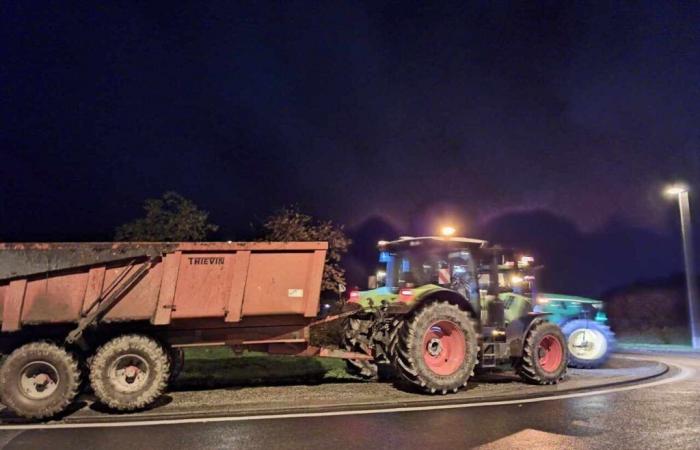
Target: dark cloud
[(414, 112)]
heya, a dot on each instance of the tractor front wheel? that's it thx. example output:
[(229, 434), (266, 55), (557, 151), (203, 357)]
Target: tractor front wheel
[(436, 349), (544, 355)]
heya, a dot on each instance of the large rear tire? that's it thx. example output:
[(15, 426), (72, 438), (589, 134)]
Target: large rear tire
[(129, 372), (39, 380), (436, 349), (544, 355), (590, 343), (356, 332)]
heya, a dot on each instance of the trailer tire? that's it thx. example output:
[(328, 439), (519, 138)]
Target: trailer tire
[(177, 362), (130, 372), (589, 354), (436, 349), (544, 355), (39, 380)]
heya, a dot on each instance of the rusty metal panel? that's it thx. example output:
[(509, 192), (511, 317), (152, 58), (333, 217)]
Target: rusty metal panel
[(313, 284), (54, 299), (139, 303), (241, 263), (61, 281), (203, 284), (250, 246), (12, 311), (3, 293), (95, 283), (27, 259), (166, 295), (277, 283)]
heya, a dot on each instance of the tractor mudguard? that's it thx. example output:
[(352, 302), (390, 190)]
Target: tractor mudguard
[(446, 295), (518, 329)]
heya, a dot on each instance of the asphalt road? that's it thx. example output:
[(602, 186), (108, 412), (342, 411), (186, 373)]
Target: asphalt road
[(665, 413)]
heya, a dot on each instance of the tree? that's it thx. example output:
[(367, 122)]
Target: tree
[(169, 218), (289, 224)]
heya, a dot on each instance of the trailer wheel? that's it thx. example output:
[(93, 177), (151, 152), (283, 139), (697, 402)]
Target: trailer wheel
[(590, 343), (544, 355), (39, 380), (177, 362), (129, 372), (436, 349)]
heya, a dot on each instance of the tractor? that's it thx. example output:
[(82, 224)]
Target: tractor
[(435, 316), (582, 320)]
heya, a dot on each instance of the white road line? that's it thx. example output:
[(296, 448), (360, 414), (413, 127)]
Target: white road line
[(684, 373)]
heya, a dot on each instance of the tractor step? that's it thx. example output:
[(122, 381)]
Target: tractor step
[(491, 353)]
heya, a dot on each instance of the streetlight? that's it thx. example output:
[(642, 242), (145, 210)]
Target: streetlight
[(447, 231), (681, 191)]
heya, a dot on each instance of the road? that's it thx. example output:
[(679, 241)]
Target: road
[(664, 413)]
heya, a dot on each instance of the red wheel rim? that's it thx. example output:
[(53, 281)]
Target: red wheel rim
[(550, 353), (444, 347)]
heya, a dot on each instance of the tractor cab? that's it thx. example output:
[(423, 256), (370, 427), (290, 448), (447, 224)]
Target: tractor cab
[(412, 267), (515, 284)]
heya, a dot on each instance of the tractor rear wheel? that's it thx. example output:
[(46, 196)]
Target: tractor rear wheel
[(356, 334), (544, 355), (590, 343), (129, 372), (39, 380), (436, 349)]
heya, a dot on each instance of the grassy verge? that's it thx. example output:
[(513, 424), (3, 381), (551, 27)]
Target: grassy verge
[(678, 336), (220, 367)]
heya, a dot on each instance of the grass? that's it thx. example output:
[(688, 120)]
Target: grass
[(678, 336), (218, 367)]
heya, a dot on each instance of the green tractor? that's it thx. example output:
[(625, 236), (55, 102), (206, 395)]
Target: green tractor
[(582, 320), (435, 316)]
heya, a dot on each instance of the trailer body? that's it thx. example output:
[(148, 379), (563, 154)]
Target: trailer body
[(234, 293)]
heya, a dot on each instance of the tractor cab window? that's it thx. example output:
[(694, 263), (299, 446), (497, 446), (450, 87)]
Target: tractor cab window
[(418, 267)]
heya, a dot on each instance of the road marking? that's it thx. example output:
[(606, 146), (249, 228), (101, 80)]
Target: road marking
[(683, 374)]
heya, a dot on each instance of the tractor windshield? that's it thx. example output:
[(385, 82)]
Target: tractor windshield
[(417, 267)]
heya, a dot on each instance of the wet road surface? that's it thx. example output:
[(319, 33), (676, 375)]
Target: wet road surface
[(665, 415)]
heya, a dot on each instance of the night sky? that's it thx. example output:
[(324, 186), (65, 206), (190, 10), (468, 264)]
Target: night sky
[(552, 127)]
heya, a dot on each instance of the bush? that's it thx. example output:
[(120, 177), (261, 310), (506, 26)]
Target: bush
[(657, 304)]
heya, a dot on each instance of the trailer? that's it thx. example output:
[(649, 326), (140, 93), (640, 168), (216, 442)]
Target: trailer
[(120, 314)]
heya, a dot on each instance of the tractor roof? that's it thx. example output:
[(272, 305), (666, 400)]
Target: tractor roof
[(406, 242)]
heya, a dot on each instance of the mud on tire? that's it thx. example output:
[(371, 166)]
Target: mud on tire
[(436, 349), (354, 332), (129, 372), (39, 380), (544, 355)]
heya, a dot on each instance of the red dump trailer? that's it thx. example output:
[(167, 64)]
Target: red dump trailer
[(121, 312)]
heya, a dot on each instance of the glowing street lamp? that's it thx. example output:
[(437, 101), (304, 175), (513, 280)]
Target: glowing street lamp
[(447, 231), (676, 189), (681, 191)]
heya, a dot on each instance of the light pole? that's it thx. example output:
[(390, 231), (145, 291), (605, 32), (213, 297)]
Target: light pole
[(681, 192)]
